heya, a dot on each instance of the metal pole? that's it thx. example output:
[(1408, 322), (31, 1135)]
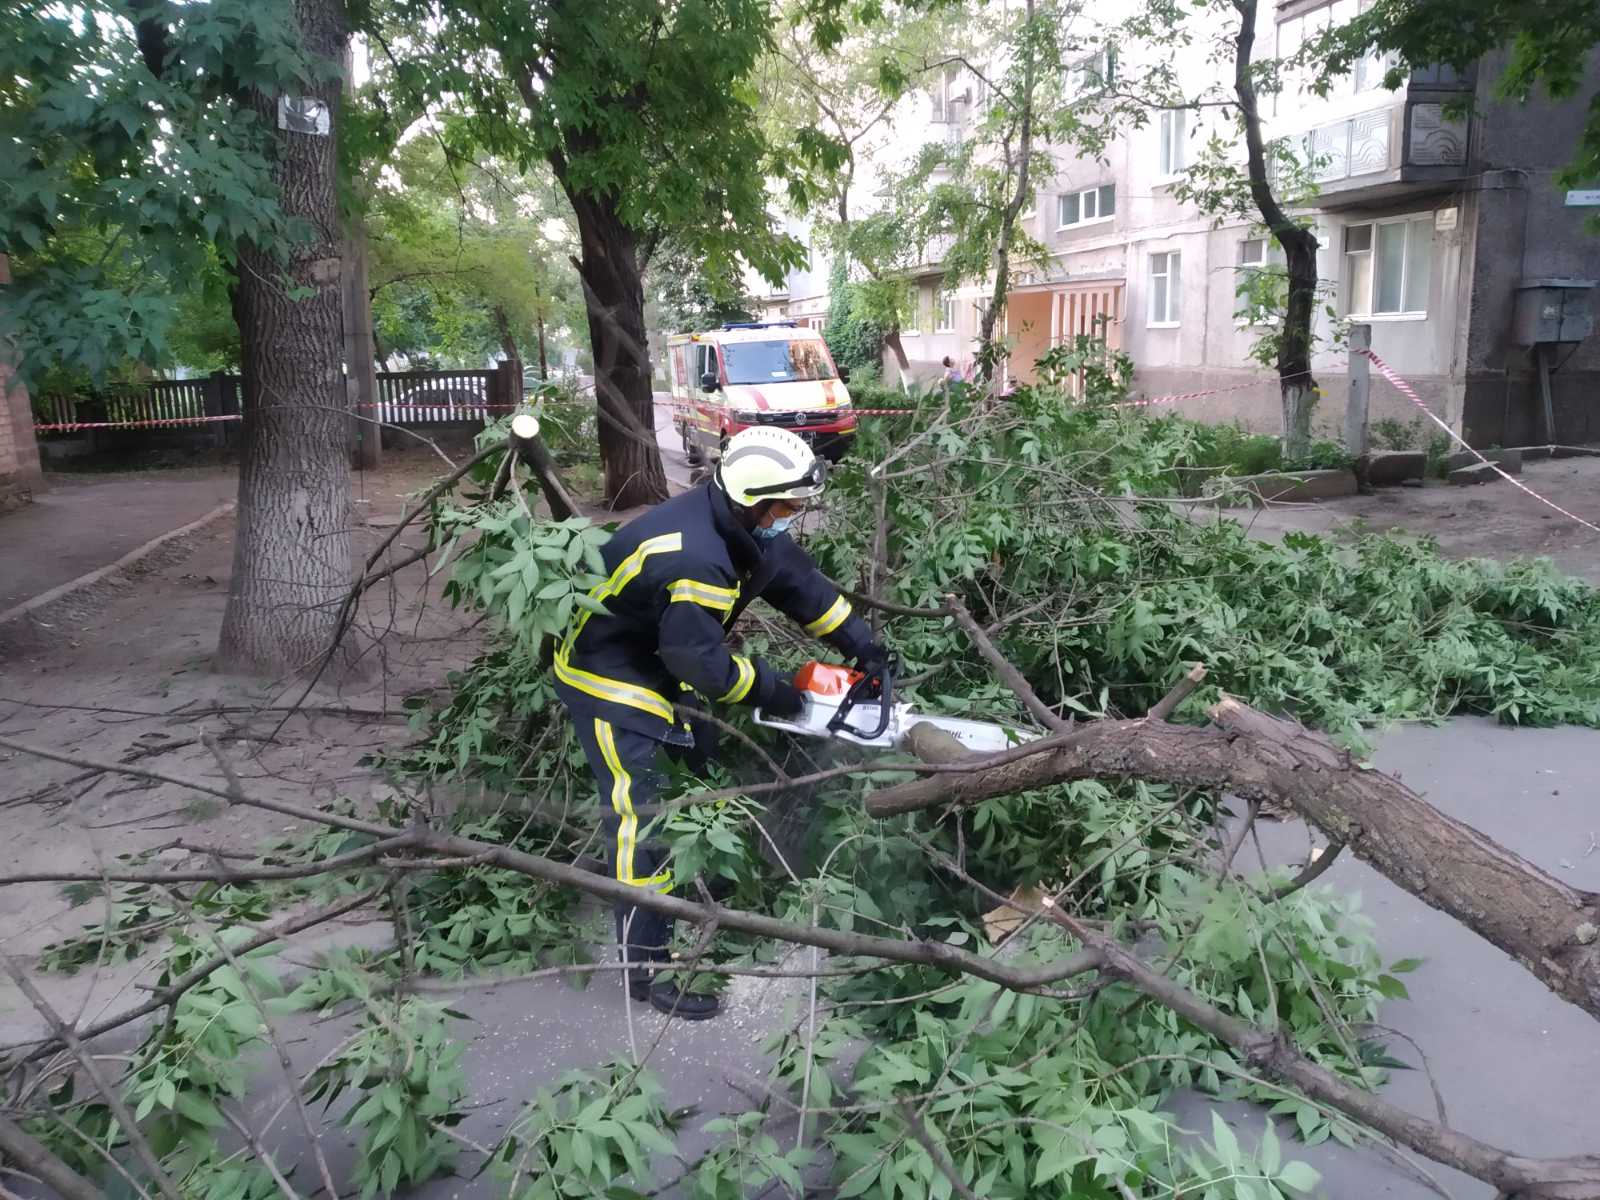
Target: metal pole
[(1542, 351), (1355, 412)]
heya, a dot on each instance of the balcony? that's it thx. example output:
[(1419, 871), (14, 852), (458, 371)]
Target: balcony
[(1404, 144)]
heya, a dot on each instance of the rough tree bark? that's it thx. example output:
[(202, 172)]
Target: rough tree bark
[(1298, 388), (291, 562), (1551, 929), (613, 296)]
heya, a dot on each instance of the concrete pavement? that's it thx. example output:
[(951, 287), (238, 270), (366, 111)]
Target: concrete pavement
[(82, 523)]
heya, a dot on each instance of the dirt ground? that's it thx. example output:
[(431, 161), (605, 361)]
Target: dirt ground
[(123, 674)]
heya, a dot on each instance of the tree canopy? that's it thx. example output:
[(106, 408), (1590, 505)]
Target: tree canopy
[(120, 180)]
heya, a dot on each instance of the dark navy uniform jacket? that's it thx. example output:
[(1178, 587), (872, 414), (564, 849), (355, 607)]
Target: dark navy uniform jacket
[(677, 575)]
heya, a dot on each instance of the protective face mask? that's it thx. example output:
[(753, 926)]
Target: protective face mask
[(779, 525)]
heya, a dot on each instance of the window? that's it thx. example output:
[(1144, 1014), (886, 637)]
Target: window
[(948, 95), (1173, 156), (782, 361), (1165, 288), (1082, 208), (1094, 73), (706, 362), (1388, 265), (1261, 283), (945, 312)]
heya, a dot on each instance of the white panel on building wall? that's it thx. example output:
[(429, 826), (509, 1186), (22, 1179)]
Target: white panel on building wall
[(1436, 142)]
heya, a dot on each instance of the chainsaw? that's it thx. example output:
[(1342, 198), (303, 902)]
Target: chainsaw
[(844, 703)]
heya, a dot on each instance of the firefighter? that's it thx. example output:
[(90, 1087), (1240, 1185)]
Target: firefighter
[(678, 578)]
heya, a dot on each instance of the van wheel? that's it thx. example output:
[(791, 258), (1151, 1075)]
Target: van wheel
[(691, 448)]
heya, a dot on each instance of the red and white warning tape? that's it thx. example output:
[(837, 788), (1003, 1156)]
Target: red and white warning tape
[(1406, 390), (155, 422), (1175, 397)]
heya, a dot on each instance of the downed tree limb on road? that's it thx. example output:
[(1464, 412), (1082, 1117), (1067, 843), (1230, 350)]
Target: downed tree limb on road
[(1551, 929), (1574, 1177)]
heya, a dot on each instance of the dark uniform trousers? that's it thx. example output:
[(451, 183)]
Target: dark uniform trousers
[(626, 767)]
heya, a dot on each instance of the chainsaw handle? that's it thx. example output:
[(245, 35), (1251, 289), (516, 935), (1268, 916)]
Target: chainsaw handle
[(861, 690)]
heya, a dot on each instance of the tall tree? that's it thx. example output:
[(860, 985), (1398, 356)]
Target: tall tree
[(469, 258), (833, 106), (152, 128), (291, 560), (643, 111), (1267, 189)]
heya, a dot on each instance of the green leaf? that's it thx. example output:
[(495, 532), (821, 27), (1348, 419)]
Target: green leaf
[(1223, 1141), (1300, 1176)]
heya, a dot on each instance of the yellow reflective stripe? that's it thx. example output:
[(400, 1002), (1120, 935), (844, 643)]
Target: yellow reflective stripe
[(830, 620), (692, 590), (617, 691), (622, 805), (742, 685), (624, 575)]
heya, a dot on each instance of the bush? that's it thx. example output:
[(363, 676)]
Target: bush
[(854, 340)]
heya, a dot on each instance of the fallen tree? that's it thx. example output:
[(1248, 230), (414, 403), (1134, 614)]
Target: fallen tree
[(1548, 927), (1149, 968), (1254, 755)]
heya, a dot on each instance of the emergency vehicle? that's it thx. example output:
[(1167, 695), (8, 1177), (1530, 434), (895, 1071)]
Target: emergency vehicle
[(760, 373)]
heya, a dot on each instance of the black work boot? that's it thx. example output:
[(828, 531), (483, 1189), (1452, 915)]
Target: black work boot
[(671, 999)]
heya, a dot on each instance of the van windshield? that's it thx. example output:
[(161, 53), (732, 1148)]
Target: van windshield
[(783, 361)]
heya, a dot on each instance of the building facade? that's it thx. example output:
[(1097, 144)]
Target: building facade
[(1430, 226)]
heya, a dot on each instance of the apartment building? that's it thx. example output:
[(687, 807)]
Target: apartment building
[(1441, 233)]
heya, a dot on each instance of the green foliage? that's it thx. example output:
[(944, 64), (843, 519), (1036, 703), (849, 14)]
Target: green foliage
[(405, 1064), (623, 102), (140, 914), (854, 332), (594, 1130), (1382, 630), (466, 918), (463, 264), (121, 186)]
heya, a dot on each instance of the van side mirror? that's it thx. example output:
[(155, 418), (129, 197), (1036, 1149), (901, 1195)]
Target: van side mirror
[(709, 382), (844, 374)]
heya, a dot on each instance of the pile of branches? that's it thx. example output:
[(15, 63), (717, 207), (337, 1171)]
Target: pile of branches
[(1036, 947)]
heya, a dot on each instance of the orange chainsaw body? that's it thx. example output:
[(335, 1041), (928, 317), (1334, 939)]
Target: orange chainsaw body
[(826, 679)]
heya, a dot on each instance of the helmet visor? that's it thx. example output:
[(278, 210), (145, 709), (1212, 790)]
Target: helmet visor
[(807, 485)]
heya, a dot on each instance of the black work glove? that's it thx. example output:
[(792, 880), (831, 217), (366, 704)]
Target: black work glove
[(784, 700), (871, 661)]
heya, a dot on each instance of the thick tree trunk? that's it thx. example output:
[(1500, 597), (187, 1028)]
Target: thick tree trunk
[(1297, 386), (897, 347), (291, 564), (613, 295), (1551, 929), (508, 341)]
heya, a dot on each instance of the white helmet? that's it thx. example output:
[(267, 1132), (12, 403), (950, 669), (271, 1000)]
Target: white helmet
[(763, 463)]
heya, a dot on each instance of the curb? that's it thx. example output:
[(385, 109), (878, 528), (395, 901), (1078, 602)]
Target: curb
[(127, 560)]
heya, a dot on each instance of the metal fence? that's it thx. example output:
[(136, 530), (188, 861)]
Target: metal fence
[(207, 410), (427, 398)]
